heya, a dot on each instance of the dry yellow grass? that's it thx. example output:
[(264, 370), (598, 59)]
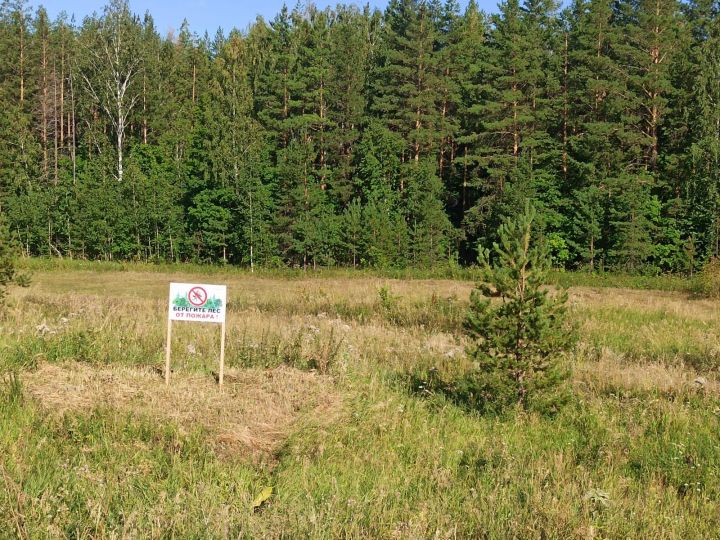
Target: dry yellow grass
[(127, 304), (611, 373), (666, 302), (252, 413), (248, 291)]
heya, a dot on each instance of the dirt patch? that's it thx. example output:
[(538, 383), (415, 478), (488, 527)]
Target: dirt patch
[(253, 412)]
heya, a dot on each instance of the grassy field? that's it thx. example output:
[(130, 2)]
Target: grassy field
[(322, 403)]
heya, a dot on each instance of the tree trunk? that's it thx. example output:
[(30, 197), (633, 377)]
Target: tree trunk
[(21, 62), (55, 124), (565, 110), (44, 104)]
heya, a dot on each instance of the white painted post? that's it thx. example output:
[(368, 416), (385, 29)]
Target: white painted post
[(222, 354), (167, 352)]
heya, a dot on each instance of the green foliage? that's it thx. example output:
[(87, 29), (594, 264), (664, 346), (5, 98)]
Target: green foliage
[(520, 341), (348, 136), (8, 272), (710, 278), (428, 225)]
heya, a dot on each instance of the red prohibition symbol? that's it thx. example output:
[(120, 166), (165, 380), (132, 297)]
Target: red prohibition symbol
[(197, 296)]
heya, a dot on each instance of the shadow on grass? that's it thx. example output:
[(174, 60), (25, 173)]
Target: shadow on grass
[(462, 391)]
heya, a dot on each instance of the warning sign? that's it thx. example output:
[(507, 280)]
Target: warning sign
[(198, 303)]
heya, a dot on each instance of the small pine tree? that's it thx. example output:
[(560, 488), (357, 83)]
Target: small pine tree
[(7, 264), (519, 343)]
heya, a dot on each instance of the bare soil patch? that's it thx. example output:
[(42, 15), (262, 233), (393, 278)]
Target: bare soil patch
[(253, 413)]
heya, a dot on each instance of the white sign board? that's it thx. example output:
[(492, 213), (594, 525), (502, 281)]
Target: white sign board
[(197, 303)]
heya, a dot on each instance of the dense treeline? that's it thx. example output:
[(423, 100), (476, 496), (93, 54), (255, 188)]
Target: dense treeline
[(354, 137)]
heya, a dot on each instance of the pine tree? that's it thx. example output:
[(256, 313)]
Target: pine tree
[(514, 124), (451, 71), (7, 259), (237, 150), (648, 50), (20, 152), (406, 87), (519, 345), (702, 160), (594, 153), (350, 38), (275, 85), (467, 51)]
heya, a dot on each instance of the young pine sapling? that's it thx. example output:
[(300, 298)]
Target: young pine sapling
[(520, 332)]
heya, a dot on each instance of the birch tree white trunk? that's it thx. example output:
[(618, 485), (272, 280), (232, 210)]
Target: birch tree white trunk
[(113, 61)]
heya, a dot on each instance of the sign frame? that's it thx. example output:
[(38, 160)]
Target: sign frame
[(191, 302)]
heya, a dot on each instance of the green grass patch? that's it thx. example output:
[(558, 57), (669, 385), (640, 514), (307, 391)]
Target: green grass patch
[(620, 461), (664, 282)]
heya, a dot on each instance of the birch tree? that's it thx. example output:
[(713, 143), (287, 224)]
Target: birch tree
[(113, 60)]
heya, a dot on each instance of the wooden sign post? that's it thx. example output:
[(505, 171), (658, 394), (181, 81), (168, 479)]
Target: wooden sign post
[(196, 303)]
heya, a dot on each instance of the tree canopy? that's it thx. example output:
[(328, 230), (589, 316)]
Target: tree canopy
[(351, 136)]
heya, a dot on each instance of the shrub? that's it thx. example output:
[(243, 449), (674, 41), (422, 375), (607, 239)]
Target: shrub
[(8, 273), (710, 278), (7, 259), (520, 340)]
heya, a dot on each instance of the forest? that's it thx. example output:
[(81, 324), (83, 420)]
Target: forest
[(350, 136)]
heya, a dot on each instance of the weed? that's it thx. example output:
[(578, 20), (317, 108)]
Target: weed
[(327, 351), (11, 391)]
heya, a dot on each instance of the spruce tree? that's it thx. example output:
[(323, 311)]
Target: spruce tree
[(352, 231), (350, 38), (586, 224), (385, 236), (468, 51), (427, 221)]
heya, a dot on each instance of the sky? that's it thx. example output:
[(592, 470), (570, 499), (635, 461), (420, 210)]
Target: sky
[(203, 15)]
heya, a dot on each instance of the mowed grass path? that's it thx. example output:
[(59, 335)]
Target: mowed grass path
[(319, 406)]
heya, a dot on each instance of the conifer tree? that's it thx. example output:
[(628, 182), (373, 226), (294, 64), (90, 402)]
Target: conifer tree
[(7, 259), (467, 48), (386, 237), (514, 114), (276, 80), (407, 89), (519, 345), (352, 231), (702, 161), (594, 152), (428, 224), (251, 146), (350, 38)]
